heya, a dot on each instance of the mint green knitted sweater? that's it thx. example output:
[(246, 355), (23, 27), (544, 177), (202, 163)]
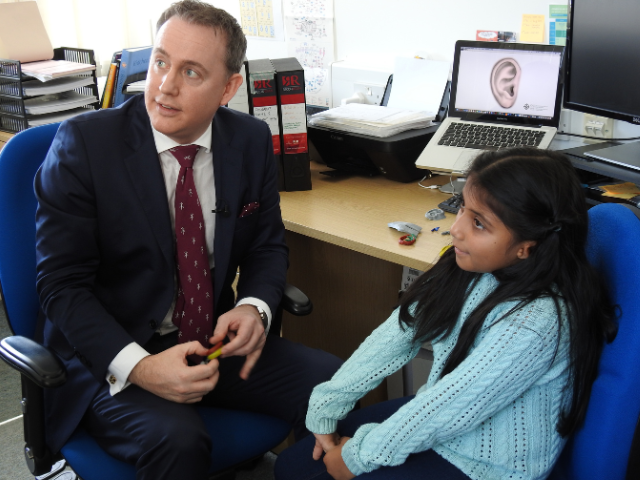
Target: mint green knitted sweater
[(494, 416)]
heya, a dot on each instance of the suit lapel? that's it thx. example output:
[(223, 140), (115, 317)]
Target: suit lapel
[(227, 167), (145, 171)]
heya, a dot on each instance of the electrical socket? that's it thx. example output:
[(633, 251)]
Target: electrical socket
[(372, 92), (597, 126)]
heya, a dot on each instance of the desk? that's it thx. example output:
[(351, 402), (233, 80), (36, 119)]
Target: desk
[(346, 258), (4, 138)]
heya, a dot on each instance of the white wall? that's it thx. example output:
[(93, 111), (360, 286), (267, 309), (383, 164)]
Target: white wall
[(380, 29)]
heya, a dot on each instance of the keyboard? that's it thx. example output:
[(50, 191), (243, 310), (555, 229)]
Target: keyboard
[(485, 137), (451, 205)]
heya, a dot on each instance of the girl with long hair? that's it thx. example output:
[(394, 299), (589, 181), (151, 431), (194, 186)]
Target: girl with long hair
[(517, 319)]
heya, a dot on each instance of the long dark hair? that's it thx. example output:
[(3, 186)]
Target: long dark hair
[(538, 197)]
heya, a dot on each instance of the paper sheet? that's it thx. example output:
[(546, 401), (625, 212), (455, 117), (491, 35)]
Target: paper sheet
[(22, 33), (310, 38), (558, 16), (57, 102), (32, 88), (36, 120), (372, 120), (418, 84), (262, 19), (625, 190), (49, 69)]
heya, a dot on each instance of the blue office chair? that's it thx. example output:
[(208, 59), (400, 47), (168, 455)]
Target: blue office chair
[(247, 435), (606, 447)]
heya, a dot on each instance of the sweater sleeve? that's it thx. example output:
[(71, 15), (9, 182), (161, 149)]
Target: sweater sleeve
[(509, 356), (385, 351)]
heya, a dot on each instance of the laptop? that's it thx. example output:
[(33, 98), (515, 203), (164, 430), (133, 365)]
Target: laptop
[(502, 95)]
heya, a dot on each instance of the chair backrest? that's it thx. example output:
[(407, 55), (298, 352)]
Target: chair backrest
[(601, 449), (19, 160)]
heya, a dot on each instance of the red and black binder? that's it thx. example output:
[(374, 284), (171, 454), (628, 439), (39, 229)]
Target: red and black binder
[(293, 124), (263, 104)]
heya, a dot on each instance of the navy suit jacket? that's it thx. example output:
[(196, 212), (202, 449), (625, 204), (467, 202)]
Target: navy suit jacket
[(106, 248)]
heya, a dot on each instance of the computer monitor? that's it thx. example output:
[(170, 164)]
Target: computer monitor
[(603, 68)]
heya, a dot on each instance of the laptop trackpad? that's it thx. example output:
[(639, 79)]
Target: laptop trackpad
[(464, 160)]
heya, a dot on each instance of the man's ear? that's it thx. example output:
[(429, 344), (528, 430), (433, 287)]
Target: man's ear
[(233, 83), (524, 249), (505, 81)]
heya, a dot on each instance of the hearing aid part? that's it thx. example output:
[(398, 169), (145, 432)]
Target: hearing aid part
[(214, 352), (434, 214), (406, 227), (407, 239)]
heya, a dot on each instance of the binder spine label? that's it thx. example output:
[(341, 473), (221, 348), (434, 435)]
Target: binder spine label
[(265, 104), (294, 128), (269, 114), (293, 110)]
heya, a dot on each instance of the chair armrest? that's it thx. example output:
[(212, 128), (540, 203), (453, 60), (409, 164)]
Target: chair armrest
[(295, 301), (34, 361), (633, 465)]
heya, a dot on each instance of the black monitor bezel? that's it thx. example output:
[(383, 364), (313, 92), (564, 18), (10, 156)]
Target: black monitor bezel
[(513, 120), (579, 107)]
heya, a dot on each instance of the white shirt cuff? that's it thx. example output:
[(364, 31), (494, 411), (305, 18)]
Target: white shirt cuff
[(121, 366), (256, 302)]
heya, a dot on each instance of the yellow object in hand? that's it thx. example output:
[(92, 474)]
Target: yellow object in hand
[(215, 351)]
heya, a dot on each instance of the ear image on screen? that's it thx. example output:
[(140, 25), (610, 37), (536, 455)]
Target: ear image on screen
[(505, 81)]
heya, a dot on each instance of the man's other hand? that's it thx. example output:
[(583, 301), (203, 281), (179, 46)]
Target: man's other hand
[(168, 375), (244, 328)]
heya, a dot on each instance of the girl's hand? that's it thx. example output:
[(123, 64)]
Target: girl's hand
[(335, 464), (324, 443)]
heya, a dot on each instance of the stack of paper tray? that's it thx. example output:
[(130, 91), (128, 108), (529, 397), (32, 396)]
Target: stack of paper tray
[(372, 120), (28, 102)]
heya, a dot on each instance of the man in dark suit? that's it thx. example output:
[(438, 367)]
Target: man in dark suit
[(110, 288)]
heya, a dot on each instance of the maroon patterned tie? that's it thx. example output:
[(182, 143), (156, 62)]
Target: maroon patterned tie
[(193, 314)]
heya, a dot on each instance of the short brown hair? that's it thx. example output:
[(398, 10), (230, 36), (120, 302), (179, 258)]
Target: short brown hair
[(206, 15)]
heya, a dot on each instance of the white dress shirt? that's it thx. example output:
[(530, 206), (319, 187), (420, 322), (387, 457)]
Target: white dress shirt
[(124, 362)]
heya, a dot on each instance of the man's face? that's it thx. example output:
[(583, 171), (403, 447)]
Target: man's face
[(187, 80)]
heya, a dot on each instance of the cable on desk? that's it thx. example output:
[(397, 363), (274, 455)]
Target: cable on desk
[(598, 138), (428, 187)]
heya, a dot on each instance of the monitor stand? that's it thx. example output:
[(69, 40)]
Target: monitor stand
[(625, 155)]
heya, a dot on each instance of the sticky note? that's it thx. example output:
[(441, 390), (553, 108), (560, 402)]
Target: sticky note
[(625, 190), (532, 29)]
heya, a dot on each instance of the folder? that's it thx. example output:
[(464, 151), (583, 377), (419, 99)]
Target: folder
[(134, 64), (263, 103), (293, 124)]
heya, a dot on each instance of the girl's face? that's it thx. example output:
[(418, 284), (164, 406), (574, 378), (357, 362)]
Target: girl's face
[(482, 242)]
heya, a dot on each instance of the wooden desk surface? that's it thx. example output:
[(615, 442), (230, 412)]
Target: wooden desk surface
[(353, 212), (4, 138)]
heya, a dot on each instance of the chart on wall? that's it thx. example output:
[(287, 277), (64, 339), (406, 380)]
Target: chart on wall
[(262, 19), (310, 38)]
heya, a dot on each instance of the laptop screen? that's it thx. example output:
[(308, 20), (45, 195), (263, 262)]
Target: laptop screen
[(507, 82)]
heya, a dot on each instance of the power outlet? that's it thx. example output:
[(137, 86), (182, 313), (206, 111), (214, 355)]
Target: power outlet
[(372, 92), (596, 126)]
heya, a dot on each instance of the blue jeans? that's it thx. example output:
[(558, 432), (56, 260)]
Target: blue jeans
[(296, 462)]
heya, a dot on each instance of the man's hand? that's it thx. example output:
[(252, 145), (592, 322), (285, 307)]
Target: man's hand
[(324, 443), (335, 464), (244, 328), (168, 375)]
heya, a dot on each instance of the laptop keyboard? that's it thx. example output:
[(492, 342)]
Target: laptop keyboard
[(485, 137)]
